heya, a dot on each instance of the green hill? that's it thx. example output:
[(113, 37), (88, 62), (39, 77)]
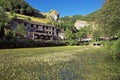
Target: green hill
[(20, 7), (72, 19), (22, 10)]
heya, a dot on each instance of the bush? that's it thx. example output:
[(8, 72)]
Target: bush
[(8, 34), (75, 42), (116, 49), (26, 43), (72, 42), (84, 43), (108, 44)]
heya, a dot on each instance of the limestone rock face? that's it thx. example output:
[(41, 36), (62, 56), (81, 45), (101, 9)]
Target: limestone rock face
[(53, 15), (78, 24)]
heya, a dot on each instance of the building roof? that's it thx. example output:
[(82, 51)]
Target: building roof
[(31, 22)]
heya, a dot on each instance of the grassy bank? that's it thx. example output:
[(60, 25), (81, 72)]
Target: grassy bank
[(34, 19), (58, 63)]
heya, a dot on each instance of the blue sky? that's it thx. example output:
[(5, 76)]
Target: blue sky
[(67, 7)]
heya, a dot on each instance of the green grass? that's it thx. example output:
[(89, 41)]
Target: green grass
[(58, 63), (34, 19)]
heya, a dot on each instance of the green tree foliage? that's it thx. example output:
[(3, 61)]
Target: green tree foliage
[(109, 17), (72, 19), (20, 31), (65, 26), (82, 33), (92, 16), (116, 49), (3, 22), (89, 29), (60, 25), (8, 34), (16, 6), (96, 34), (68, 22), (28, 9), (20, 6), (118, 34), (21, 11), (69, 34), (109, 20)]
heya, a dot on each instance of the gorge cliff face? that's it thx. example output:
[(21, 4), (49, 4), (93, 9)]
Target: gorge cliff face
[(78, 24), (53, 15), (81, 24)]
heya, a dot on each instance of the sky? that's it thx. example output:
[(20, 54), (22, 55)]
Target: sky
[(67, 7)]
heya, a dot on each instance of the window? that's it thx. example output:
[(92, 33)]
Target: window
[(25, 24), (43, 27), (46, 27), (32, 25), (52, 28), (49, 32), (37, 26)]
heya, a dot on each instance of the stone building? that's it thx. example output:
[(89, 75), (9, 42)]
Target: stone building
[(37, 31)]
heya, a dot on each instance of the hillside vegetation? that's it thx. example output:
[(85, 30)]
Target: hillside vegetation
[(68, 22), (72, 19), (22, 10), (20, 7)]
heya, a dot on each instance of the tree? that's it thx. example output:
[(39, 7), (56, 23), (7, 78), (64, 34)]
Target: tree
[(81, 34), (109, 20), (69, 34), (8, 34), (59, 25), (20, 7), (3, 22), (29, 10), (109, 17), (96, 35), (20, 31), (21, 11)]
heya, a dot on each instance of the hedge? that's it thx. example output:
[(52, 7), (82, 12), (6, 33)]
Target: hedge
[(25, 43)]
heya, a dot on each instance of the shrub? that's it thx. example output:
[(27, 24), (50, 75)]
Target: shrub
[(116, 49), (8, 34), (108, 44), (72, 42), (26, 43)]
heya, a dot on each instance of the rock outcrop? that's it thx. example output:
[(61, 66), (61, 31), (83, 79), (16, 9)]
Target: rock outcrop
[(53, 15), (78, 24)]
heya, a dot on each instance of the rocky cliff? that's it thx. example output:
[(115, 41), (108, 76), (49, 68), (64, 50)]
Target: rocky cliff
[(52, 15)]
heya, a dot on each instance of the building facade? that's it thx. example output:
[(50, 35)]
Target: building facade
[(37, 31)]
